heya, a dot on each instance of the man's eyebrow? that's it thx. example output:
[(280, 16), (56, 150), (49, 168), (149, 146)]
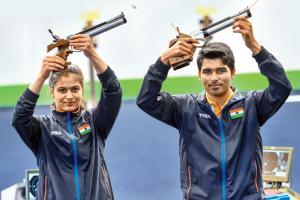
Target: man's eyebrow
[(219, 68)]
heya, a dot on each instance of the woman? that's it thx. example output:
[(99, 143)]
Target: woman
[(68, 143)]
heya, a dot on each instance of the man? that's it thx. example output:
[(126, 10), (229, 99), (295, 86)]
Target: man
[(220, 141)]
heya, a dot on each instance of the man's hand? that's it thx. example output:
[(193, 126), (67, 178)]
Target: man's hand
[(84, 43), (243, 25), (183, 47)]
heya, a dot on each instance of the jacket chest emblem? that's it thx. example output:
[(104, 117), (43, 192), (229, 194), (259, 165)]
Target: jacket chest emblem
[(204, 115), (236, 113), (58, 133), (85, 129)]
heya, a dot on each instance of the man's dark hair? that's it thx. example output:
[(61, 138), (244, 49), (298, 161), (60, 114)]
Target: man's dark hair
[(216, 50)]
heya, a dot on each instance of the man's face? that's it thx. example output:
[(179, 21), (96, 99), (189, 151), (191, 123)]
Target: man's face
[(67, 93), (215, 77)]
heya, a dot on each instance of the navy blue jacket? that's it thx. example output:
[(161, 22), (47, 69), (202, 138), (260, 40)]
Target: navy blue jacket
[(71, 164), (220, 158)]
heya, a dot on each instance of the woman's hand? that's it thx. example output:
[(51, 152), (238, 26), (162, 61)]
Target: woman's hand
[(51, 63), (83, 43)]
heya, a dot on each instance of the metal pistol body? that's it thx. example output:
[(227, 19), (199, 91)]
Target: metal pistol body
[(63, 44), (201, 35)]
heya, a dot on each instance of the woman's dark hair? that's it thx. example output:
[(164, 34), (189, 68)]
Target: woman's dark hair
[(71, 69), (216, 50)]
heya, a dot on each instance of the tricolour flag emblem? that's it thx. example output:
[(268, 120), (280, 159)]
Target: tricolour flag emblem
[(236, 113), (85, 129)]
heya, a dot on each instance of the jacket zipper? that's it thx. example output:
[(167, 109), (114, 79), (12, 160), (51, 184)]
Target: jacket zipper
[(256, 185), (223, 162), (223, 153), (74, 156), (190, 183), (106, 182), (223, 142), (45, 187)]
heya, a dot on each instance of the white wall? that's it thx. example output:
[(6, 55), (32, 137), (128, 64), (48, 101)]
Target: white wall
[(132, 47)]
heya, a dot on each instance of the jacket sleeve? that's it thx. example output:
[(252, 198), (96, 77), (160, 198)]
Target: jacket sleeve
[(160, 105), (108, 107), (269, 100), (27, 126)]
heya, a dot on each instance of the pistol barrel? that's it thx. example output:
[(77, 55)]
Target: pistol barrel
[(104, 26), (222, 24)]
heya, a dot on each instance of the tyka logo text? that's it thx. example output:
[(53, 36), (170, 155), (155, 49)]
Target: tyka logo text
[(203, 115)]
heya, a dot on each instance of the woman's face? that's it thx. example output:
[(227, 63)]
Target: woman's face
[(67, 93)]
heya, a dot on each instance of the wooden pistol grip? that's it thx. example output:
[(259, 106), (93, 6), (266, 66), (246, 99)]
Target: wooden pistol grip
[(64, 53), (63, 49), (179, 61), (172, 42)]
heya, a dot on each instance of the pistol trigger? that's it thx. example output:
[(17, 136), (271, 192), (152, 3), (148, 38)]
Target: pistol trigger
[(202, 42)]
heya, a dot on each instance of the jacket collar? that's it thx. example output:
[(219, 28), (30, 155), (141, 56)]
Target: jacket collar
[(62, 116), (236, 97)]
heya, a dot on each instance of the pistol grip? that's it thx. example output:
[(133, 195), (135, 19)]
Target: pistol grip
[(180, 61), (63, 49)]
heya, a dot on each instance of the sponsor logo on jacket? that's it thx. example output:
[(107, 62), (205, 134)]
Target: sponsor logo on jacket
[(58, 133), (204, 115)]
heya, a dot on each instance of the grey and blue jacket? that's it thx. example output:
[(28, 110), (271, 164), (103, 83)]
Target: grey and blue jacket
[(69, 146), (220, 158)]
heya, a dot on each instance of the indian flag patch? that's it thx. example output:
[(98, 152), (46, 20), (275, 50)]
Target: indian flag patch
[(236, 113), (85, 129)]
